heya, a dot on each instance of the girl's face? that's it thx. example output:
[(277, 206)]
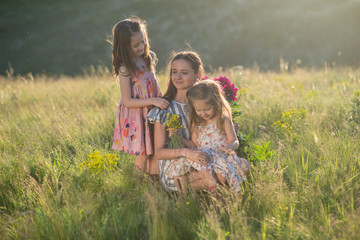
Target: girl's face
[(182, 74), (204, 110), (138, 43)]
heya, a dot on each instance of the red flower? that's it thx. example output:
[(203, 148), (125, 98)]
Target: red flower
[(229, 89)]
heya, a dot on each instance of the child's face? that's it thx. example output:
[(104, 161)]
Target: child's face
[(138, 43), (204, 110), (182, 74)]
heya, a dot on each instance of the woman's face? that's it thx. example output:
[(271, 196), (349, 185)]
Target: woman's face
[(182, 74)]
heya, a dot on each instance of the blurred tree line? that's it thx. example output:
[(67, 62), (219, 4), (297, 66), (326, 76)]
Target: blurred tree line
[(67, 36)]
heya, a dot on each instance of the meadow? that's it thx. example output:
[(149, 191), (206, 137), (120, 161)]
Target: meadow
[(59, 178)]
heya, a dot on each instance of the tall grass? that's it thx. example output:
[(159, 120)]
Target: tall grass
[(304, 185)]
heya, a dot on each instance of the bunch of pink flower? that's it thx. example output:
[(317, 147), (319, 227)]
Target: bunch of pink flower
[(229, 89)]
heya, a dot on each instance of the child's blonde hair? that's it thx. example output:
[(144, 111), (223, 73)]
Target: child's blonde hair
[(211, 91), (121, 54)]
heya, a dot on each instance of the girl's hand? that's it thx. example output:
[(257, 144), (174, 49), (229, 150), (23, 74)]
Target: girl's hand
[(172, 132), (226, 150), (160, 103), (197, 156)]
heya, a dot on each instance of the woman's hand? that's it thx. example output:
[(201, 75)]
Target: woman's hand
[(173, 132), (196, 155), (160, 102)]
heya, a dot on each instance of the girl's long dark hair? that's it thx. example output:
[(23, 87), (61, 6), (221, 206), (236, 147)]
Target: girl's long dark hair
[(122, 52), (195, 62)]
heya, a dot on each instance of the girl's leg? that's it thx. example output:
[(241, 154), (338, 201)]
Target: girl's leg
[(152, 165), (199, 180), (141, 162), (147, 164)]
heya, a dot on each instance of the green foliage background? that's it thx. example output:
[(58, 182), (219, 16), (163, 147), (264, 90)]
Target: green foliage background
[(66, 36)]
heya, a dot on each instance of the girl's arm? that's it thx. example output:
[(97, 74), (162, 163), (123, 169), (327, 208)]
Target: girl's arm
[(128, 101), (187, 142), (164, 153), (231, 138), (192, 143)]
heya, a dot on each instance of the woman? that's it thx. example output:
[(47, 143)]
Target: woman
[(185, 69)]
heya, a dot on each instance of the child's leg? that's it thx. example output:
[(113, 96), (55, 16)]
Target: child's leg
[(141, 162), (152, 165), (199, 180)]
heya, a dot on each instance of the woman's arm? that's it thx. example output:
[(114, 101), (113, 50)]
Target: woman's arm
[(161, 151), (128, 101), (164, 153)]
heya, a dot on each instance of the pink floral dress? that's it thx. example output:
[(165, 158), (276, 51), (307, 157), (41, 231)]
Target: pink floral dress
[(132, 132), (230, 166)]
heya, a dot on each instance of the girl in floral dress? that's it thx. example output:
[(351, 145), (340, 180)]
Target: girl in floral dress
[(134, 66), (213, 132)]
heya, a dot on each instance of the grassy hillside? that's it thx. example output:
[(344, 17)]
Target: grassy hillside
[(67, 36), (60, 180)]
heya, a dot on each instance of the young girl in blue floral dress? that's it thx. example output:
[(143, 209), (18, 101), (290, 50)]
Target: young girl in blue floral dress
[(134, 65)]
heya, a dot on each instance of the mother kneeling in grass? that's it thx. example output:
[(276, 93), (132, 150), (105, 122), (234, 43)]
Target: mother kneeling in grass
[(185, 70)]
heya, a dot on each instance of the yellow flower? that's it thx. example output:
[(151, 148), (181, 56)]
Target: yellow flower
[(96, 163), (173, 122), (292, 122), (357, 94)]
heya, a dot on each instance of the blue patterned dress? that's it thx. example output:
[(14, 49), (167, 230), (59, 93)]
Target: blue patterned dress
[(159, 115)]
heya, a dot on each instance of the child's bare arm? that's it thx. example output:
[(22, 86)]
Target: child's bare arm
[(129, 101), (164, 153), (190, 143), (231, 138), (187, 142)]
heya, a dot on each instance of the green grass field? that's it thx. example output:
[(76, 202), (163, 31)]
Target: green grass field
[(302, 133)]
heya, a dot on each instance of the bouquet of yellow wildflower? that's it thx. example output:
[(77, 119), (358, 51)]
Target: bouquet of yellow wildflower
[(174, 124)]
